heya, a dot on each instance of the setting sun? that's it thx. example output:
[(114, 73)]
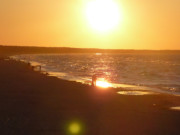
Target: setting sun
[(103, 15)]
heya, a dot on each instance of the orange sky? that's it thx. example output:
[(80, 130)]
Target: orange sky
[(146, 24)]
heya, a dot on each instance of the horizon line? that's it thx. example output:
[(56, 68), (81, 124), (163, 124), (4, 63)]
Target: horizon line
[(90, 48)]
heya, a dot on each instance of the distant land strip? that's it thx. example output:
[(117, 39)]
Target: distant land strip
[(15, 50)]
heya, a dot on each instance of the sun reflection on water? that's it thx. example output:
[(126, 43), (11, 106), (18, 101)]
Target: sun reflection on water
[(103, 84)]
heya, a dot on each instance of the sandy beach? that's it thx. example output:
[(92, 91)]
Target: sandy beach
[(33, 103)]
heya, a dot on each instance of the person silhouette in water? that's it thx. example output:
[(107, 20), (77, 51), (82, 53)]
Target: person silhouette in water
[(94, 78)]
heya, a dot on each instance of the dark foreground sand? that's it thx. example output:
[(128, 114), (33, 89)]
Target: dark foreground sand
[(33, 104)]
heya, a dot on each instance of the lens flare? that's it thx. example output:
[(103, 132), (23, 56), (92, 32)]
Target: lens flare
[(74, 128)]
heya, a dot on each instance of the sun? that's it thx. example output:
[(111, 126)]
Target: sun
[(103, 15)]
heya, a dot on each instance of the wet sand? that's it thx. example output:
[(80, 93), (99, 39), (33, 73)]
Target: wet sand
[(32, 103)]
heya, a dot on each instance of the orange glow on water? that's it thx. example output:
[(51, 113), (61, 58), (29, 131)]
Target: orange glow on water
[(103, 84)]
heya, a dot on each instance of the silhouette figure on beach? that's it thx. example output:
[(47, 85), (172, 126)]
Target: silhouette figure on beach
[(94, 78)]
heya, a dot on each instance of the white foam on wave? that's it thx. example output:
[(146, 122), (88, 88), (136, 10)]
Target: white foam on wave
[(177, 108), (135, 93)]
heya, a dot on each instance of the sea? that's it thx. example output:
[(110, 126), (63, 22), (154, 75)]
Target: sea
[(159, 72)]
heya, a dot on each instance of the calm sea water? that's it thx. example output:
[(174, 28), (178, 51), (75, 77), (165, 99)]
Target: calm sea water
[(154, 71)]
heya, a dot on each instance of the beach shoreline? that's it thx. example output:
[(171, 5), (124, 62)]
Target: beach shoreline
[(53, 68), (34, 103)]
